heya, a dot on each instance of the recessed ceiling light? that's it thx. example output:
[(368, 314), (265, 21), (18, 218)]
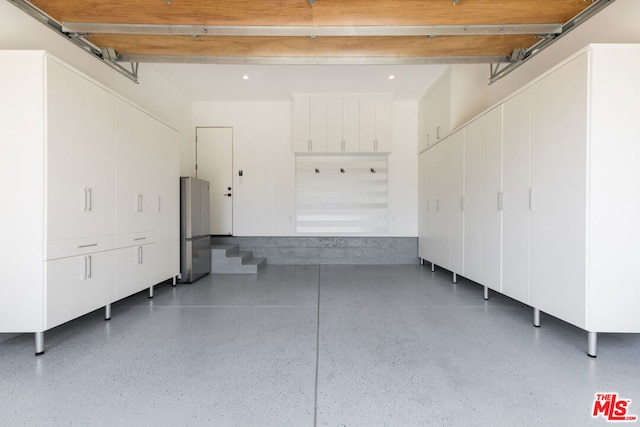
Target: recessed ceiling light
[(245, 77), (391, 77)]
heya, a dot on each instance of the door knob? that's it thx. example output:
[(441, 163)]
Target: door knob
[(228, 195)]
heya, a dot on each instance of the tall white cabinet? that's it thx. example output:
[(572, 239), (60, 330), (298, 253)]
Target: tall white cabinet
[(90, 189), (550, 213)]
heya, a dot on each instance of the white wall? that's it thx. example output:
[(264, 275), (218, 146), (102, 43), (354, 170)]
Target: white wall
[(617, 23), (19, 31), (264, 204)]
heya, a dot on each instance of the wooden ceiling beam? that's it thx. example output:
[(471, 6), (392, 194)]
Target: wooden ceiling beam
[(321, 13), (306, 47)]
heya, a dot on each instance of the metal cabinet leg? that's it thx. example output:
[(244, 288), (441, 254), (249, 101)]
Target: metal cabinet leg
[(107, 312), (39, 343), (150, 291), (536, 317), (486, 293), (433, 267), (175, 281), (592, 343), (455, 278)]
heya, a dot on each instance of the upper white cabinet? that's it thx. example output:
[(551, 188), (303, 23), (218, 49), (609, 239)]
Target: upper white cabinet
[(80, 158), (310, 125), (457, 96), (376, 125), (90, 179), (343, 132), (342, 124)]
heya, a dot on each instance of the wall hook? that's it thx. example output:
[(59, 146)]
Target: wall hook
[(373, 170)]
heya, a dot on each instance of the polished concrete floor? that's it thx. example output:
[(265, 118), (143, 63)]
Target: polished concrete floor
[(316, 345)]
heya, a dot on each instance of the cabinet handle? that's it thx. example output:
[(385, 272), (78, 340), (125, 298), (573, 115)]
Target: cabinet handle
[(375, 145), (87, 246), (139, 238), (309, 145), (343, 145), (90, 192), (90, 266), (139, 254), (500, 201), (428, 139), (86, 203), (86, 261), (462, 203), (531, 199), (139, 196), (438, 132), (428, 205)]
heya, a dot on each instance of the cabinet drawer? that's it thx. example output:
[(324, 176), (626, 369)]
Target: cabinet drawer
[(74, 247), (78, 285)]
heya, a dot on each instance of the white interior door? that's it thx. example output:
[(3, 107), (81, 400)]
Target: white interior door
[(214, 163)]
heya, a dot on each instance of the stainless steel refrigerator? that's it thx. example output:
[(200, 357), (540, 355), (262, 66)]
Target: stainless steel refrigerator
[(195, 238)]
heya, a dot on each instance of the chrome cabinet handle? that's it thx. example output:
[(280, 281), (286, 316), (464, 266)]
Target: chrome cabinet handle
[(343, 145), (531, 199), (139, 254), (90, 192), (86, 202), (309, 145), (500, 201), (438, 132), (90, 266)]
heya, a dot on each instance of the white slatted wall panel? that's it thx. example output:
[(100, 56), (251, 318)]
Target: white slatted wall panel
[(341, 195)]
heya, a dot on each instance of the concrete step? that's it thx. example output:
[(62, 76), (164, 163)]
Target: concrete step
[(229, 259)]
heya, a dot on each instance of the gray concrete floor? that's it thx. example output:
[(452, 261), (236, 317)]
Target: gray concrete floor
[(316, 345)]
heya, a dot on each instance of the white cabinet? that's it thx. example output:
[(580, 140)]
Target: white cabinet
[(376, 123), (134, 269), (454, 98), (516, 214), (337, 124), (550, 216), (441, 216), (80, 158), (78, 285), (483, 199), (558, 178), (167, 209), (72, 152), (343, 132), (310, 125)]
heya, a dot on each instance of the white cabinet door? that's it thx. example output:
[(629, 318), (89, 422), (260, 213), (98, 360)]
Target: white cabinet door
[(423, 124), (492, 199), (318, 125), (134, 266), (78, 285), (516, 214), (423, 204), (376, 123), (384, 126), (473, 201), (455, 167), (335, 137), (301, 116), (351, 124), (558, 179), (441, 198), (309, 125), (66, 187), (134, 190), (100, 161), (168, 201)]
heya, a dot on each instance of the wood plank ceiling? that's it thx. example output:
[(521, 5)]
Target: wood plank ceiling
[(311, 31)]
